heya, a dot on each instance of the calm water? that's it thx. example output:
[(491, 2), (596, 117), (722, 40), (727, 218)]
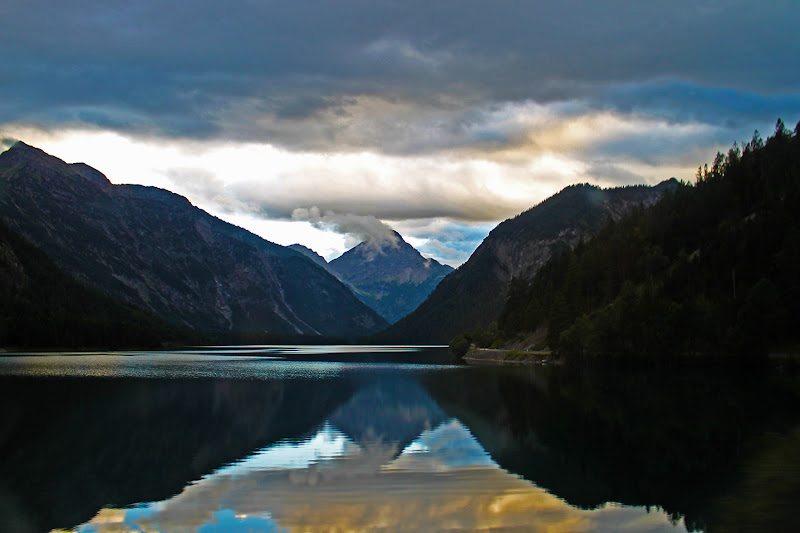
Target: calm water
[(265, 438)]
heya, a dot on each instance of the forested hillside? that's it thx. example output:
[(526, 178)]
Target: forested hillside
[(712, 268), (40, 306), (474, 294)]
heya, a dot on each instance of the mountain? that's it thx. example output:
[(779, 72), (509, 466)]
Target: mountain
[(474, 294), (41, 306), (391, 277), (311, 254), (152, 248), (710, 269)]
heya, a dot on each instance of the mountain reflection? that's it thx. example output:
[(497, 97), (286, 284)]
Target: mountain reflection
[(213, 443), (387, 459)]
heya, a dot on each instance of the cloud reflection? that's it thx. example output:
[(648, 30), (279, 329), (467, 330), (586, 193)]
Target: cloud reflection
[(442, 480)]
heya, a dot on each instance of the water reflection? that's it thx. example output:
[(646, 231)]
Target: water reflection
[(243, 442), (443, 480), (77, 362)]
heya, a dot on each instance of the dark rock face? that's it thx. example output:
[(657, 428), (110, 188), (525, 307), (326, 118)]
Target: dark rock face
[(391, 277), (152, 248), (41, 306), (311, 254), (474, 294)]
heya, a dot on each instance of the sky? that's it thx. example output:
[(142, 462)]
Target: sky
[(325, 123)]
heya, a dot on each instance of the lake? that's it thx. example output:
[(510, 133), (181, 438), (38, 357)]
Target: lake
[(366, 438)]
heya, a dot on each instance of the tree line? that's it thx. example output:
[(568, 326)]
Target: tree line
[(712, 268)]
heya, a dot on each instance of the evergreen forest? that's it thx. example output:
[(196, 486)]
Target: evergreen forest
[(712, 269)]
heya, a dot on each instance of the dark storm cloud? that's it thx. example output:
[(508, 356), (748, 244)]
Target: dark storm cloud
[(681, 102), (321, 75)]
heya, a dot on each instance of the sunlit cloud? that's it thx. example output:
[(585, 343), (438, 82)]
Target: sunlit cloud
[(399, 111), (534, 152)]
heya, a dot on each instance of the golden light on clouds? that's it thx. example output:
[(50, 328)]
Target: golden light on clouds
[(388, 159), (446, 482)]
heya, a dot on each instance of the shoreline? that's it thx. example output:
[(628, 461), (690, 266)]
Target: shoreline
[(478, 356), (497, 356)]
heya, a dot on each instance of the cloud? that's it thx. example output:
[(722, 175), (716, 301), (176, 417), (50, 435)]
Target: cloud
[(679, 101), (320, 75), (606, 171), (466, 113), (359, 228), (273, 182), (6, 143), (445, 240)]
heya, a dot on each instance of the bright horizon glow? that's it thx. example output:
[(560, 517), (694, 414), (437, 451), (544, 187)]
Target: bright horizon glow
[(209, 174), (257, 185), (438, 123)]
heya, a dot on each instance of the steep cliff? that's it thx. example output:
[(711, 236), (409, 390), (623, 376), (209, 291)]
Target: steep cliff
[(42, 307)]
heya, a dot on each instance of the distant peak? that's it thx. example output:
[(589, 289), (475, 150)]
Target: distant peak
[(20, 148), (7, 142), (23, 153), (670, 184), (379, 244), (19, 152), (18, 145), (391, 238)]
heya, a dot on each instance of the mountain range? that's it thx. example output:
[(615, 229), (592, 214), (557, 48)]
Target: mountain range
[(153, 249), (390, 276), (474, 294), (311, 254)]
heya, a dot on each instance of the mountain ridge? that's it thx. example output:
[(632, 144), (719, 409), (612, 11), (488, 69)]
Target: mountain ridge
[(711, 269), (311, 254), (474, 294), (391, 277), (153, 248)]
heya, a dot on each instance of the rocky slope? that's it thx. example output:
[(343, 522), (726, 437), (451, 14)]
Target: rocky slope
[(311, 254), (152, 248), (391, 277), (41, 306), (474, 294)]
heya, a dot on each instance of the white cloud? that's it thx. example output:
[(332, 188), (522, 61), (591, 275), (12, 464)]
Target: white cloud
[(426, 118), (356, 228), (499, 162)]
